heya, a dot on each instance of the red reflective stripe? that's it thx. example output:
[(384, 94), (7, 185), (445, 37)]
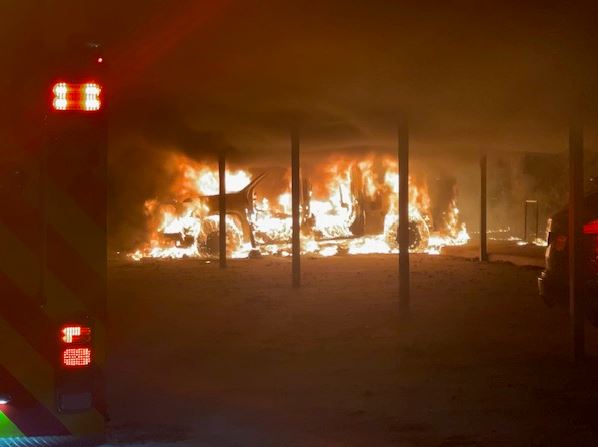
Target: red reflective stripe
[(31, 323), (26, 412), (160, 34), (28, 319), (24, 219), (82, 186), (68, 266), (75, 274), (86, 192)]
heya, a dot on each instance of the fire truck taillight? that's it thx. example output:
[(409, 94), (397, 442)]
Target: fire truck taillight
[(591, 227), (76, 357), (77, 352), (76, 334), (82, 97)]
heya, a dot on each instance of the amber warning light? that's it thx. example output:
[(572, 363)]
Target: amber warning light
[(82, 97)]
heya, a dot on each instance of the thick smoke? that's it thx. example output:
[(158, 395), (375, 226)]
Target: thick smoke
[(144, 134), (517, 177)]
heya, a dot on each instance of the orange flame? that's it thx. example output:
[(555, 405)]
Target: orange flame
[(352, 208)]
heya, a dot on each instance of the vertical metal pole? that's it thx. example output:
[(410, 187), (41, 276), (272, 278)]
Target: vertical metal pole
[(576, 298), (296, 199), (222, 209), (483, 208), (525, 221), (404, 286), (537, 219)]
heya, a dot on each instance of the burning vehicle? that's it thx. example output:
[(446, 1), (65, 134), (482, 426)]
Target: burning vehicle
[(348, 206)]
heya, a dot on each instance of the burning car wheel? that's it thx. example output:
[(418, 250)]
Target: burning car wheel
[(211, 245), (208, 240), (419, 234)]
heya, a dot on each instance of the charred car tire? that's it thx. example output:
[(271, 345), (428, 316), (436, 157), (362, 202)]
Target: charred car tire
[(212, 246), (419, 234)]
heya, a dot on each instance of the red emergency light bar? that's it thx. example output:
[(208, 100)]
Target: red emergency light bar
[(82, 97)]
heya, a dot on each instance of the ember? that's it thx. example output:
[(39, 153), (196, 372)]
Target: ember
[(348, 206)]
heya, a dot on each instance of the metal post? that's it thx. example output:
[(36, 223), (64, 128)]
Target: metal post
[(525, 221), (576, 298), (404, 289), (222, 209), (526, 206), (483, 208), (537, 219), (296, 199)]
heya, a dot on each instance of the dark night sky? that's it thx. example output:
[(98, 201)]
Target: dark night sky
[(469, 74)]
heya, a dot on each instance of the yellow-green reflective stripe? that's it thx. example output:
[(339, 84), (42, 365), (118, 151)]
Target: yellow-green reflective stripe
[(7, 428), (37, 376)]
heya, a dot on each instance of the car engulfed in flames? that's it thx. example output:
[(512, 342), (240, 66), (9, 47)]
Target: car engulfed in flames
[(348, 206)]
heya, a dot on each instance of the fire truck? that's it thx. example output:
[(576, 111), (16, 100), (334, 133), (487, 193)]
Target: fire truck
[(53, 264)]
